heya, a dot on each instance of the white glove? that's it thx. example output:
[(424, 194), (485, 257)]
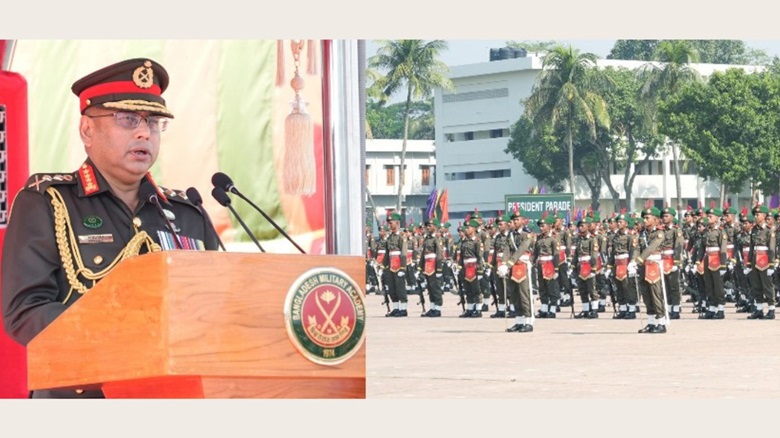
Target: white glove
[(592, 275), (746, 271), (479, 277), (401, 273), (632, 268), (502, 271), (607, 272), (525, 258), (438, 275), (674, 268), (487, 272), (770, 271), (731, 266), (722, 272)]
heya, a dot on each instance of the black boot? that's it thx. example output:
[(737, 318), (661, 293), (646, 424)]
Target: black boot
[(541, 314), (515, 328), (718, 315), (499, 314), (466, 314), (659, 329), (526, 328), (401, 313), (511, 314), (758, 314), (649, 328), (485, 307), (393, 312), (770, 314), (602, 308), (476, 314), (630, 315), (583, 314), (593, 315), (674, 315), (620, 315)]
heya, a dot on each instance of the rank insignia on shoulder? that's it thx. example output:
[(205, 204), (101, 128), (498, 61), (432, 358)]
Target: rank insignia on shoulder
[(40, 181)]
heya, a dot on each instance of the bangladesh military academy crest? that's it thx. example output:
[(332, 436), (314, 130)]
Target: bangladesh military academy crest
[(325, 316)]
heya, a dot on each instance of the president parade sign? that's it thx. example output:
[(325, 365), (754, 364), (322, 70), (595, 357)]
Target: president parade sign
[(533, 206)]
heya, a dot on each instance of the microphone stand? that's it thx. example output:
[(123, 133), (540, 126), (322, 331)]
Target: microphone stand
[(268, 218), (223, 199)]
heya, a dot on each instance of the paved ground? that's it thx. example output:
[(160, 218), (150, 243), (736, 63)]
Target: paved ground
[(457, 358)]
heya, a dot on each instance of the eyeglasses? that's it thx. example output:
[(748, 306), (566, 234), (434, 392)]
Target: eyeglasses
[(132, 120)]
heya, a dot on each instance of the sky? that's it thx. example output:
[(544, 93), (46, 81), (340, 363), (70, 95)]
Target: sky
[(464, 51)]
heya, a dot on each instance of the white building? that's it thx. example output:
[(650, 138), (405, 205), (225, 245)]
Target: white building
[(383, 162), (472, 131)]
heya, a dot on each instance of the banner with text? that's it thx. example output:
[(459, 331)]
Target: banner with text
[(533, 206)]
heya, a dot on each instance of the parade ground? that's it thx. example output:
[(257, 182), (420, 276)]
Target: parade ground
[(565, 358)]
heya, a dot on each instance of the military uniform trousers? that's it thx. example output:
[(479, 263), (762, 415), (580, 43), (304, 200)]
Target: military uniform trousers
[(434, 289), (472, 291), (520, 296), (587, 289), (652, 295), (563, 278), (672, 283), (713, 288), (763, 289), (626, 292), (500, 290), (549, 290), (485, 286), (396, 285)]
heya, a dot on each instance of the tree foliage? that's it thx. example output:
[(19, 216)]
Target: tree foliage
[(387, 121), (708, 51), (533, 46), (730, 127)]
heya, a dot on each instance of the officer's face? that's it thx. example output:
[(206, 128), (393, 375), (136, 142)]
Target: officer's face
[(122, 155)]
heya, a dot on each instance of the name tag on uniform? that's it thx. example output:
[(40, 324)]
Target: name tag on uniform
[(96, 238)]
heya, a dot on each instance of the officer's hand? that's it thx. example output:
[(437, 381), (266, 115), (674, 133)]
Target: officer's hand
[(479, 277), (592, 275), (674, 268), (401, 273), (722, 272), (746, 271), (608, 273), (770, 271), (487, 272), (438, 275), (503, 270), (730, 266)]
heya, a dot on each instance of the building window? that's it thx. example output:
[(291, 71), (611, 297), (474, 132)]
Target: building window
[(390, 175), (426, 175), (496, 133), (469, 135), (661, 164), (368, 168)]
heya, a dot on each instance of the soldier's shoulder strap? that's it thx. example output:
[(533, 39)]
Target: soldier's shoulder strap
[(39, 182), (177, 196)]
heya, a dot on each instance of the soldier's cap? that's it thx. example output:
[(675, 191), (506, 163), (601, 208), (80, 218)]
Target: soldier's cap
[(596, 217), (651, 211), (746, 217), (500, 218), (714, 211), (761, 208), (447, 225), (728, 209), (385, 228), (669, 210), (630, 222), (394, 217), (435, 221), (471, 223), (131, 85)]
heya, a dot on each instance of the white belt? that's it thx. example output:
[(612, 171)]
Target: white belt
[(582, 259), (430, 256), (654, 257), (763, 248), (545, 258), (501, 254), (562, 247), (621, 256), (382, 251), (392, 253), (667, 251), (713, 248), (491, 251), (730, 245), (470, 260)]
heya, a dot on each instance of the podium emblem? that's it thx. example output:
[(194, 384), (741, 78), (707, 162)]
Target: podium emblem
[(325, 316)]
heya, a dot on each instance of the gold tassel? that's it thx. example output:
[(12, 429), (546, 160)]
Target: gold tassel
[(311, 58), (300, 172), (279, 63)]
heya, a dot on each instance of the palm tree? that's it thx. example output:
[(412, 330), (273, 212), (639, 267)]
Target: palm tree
[(412, 64), (565, 94), (661, 81)]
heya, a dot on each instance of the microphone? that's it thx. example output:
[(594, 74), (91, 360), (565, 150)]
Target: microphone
[(194, 196), (224, 200), (226, 184), (148, 192)]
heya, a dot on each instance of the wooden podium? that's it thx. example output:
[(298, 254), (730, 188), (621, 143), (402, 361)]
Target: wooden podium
[(193, 324)]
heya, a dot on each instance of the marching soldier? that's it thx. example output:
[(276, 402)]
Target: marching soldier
[(649, 262), (742, 250), (671, 255), (762, 260), (372, 283), (546, 255), (519, 290), (431, 266), (565, 243), (395, 267), (624, 250), (712, 253), (472, 266), (586, 262), (501, 252)]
